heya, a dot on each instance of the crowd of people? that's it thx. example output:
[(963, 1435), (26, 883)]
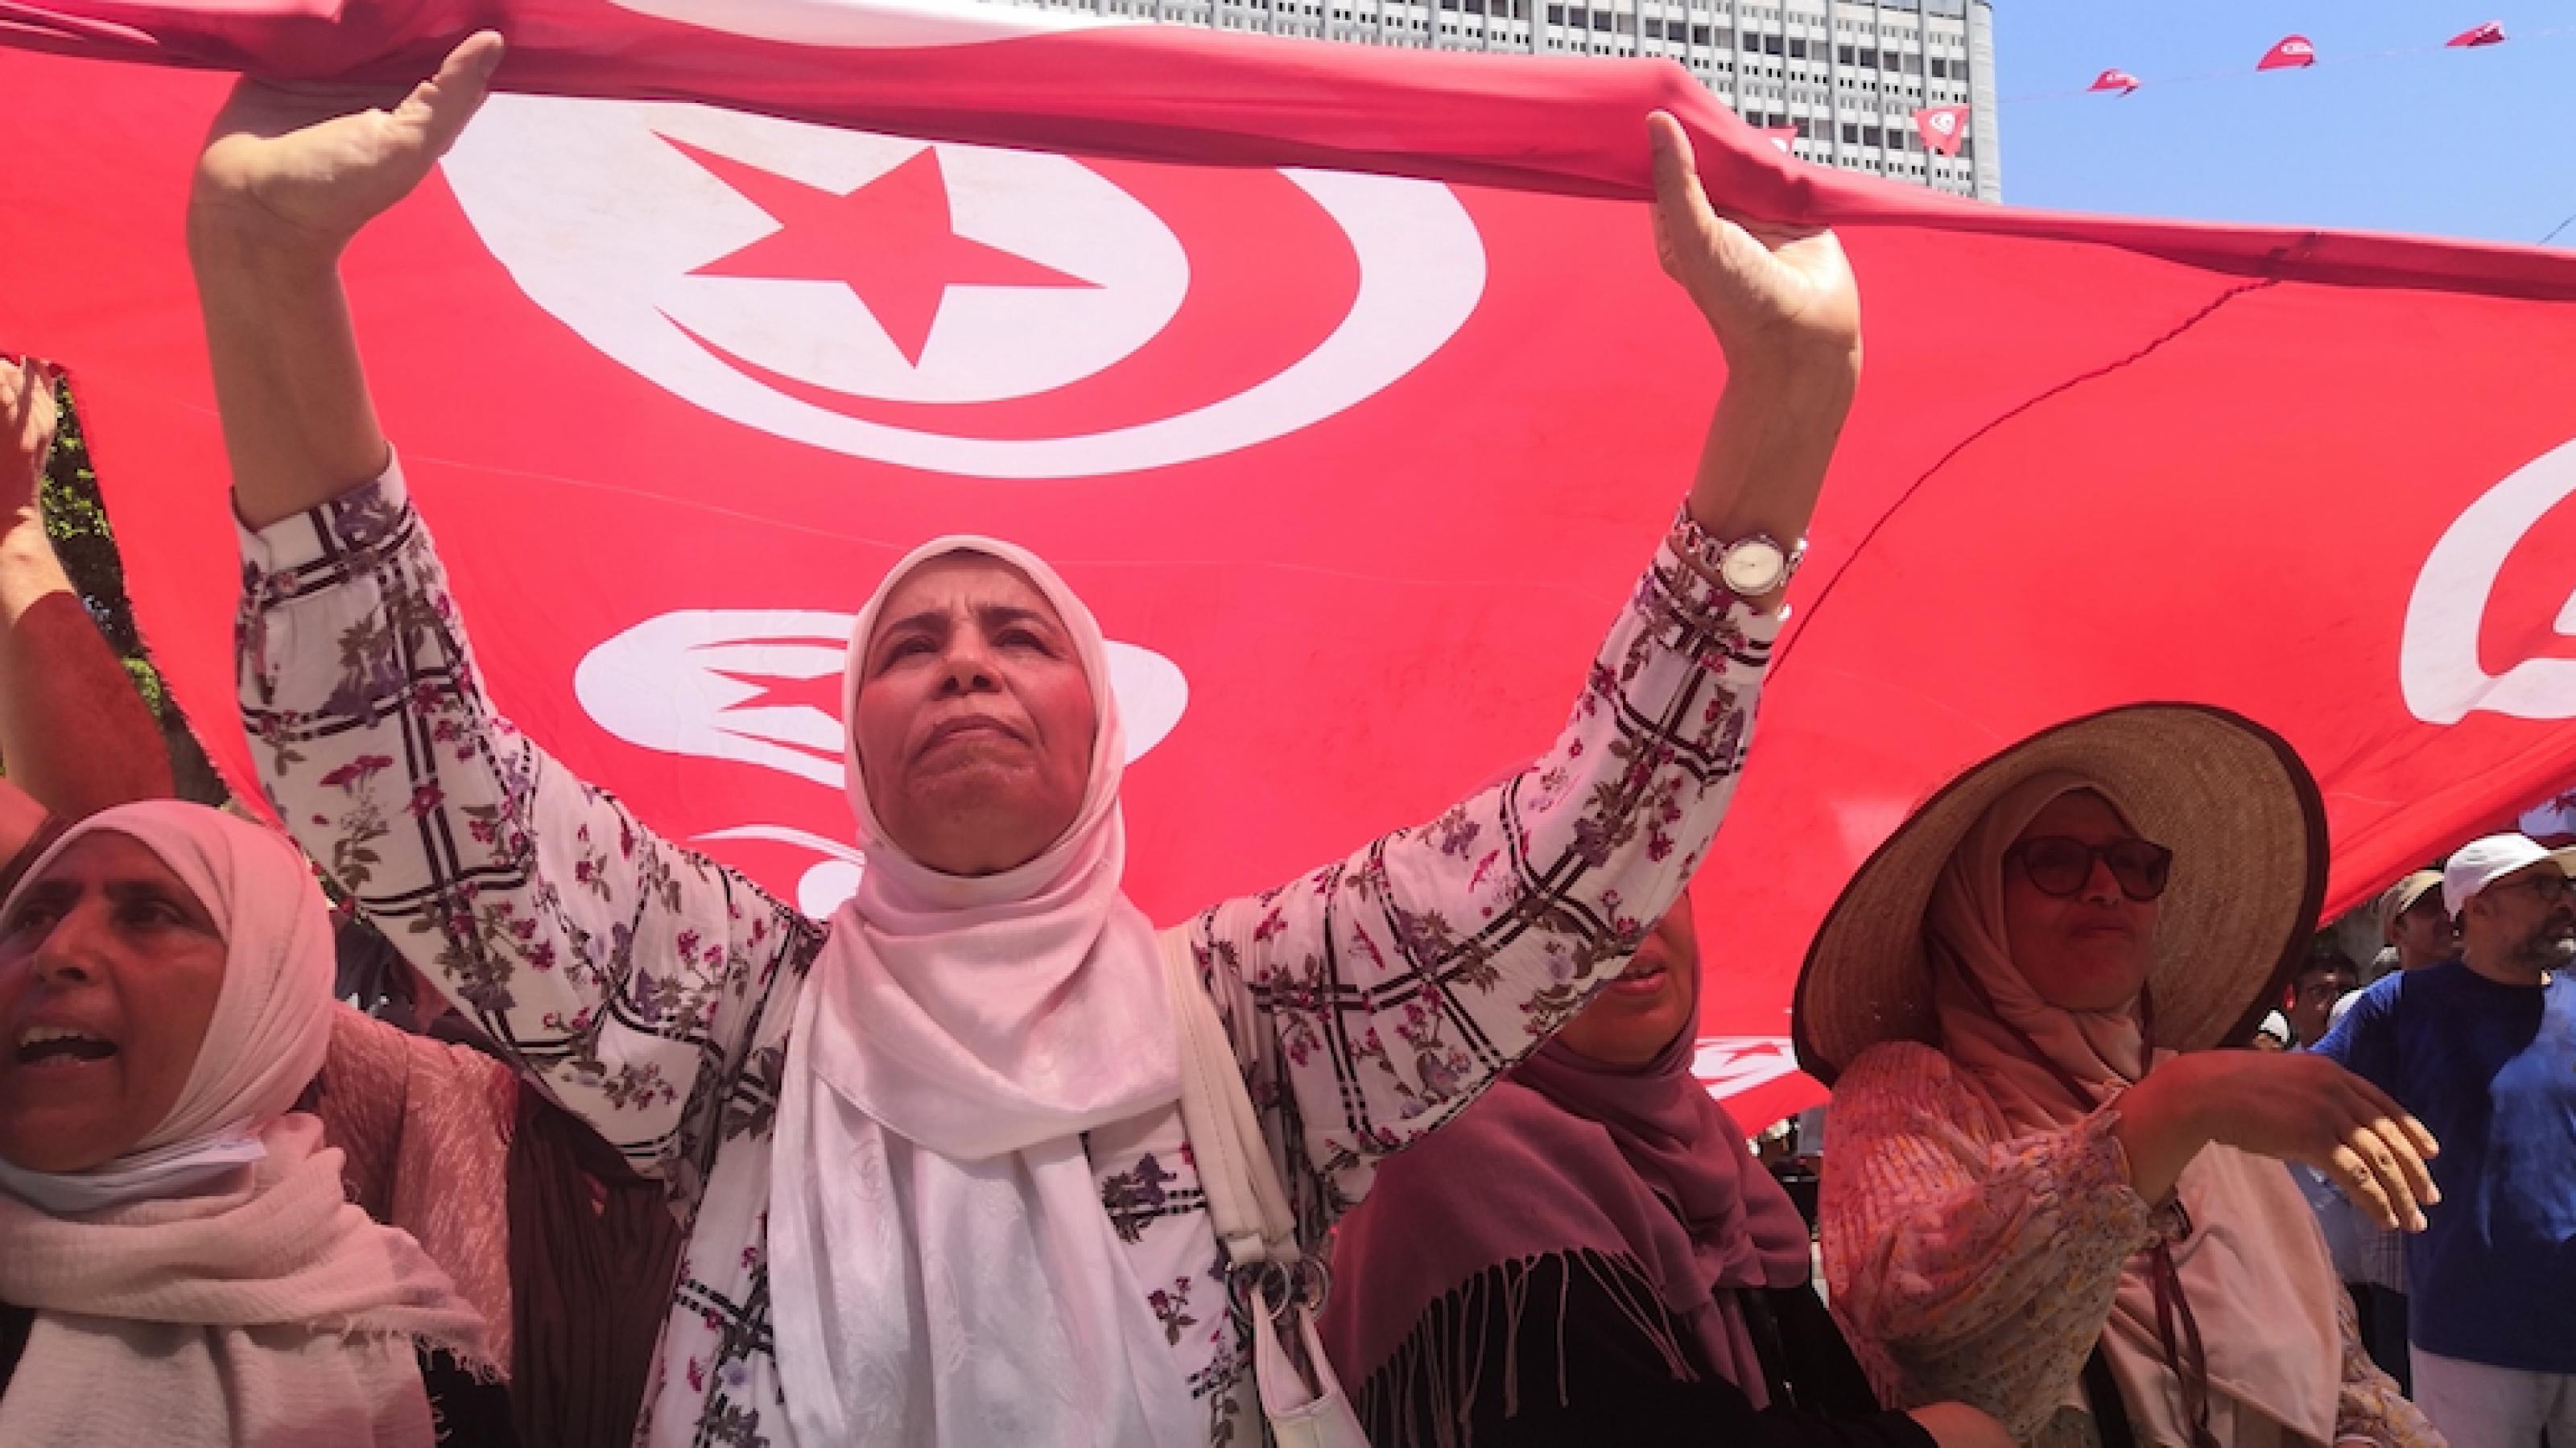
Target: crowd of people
[(652, 1156)]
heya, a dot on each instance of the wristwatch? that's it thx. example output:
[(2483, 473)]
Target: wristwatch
[(1748, 567)]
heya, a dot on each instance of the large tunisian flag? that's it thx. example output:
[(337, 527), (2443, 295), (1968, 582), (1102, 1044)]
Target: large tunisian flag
[(1343, 383)]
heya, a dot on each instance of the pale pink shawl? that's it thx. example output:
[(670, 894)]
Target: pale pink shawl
[(259, 1307), (2254, 1266), (944, 1270)]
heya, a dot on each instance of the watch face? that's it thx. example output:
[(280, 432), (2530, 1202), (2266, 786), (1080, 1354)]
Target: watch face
[(1753, 567)]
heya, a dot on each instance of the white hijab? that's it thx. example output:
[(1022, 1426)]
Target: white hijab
[(215, 1286), (944, 1271)]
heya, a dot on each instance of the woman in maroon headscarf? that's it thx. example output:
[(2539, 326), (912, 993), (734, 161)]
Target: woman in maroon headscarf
[(1591, 1254)]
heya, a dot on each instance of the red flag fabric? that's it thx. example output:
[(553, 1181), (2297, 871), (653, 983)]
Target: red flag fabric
[(1784, 137), (1942, 128), (2491, 33), (1344, 385), (2114, 80), (2294, 52)]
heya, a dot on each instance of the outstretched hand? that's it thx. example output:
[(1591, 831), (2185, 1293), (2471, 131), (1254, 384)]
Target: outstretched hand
[(307, 168), (2305, 1108), (2297, 1106), (1768, 293), (26, 432)]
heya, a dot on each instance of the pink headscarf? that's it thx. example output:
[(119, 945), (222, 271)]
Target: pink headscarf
[(2254, 1266), (1634, 1164), (945, 1272), (272, 1019), (1964, 932), (186, 1269)]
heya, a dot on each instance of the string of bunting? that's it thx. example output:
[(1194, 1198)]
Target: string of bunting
[(1944, 128), (2296, 52)]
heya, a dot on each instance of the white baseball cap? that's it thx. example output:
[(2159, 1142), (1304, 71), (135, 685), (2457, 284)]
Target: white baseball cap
[(2480, 863)]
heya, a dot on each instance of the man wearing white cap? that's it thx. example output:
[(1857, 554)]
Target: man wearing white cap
[(2482, 1050)]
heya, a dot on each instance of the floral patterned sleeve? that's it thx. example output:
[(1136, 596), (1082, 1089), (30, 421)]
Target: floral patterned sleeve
[(2369, 1408), (625, 975), (1375, 997), (1964, 1265)]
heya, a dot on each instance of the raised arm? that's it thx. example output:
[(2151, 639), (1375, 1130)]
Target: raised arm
[(1374, 998), (624, 974), (1786, 312), (74, 733), (286, 182)]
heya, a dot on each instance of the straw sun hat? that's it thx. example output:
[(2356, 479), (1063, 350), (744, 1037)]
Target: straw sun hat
[(2229, 797)]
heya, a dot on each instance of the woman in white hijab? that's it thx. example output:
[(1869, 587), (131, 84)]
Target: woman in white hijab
[(177, 1262), (938, 1185), (2043, 1195)]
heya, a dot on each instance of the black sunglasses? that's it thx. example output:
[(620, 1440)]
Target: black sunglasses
[(2059, 866)]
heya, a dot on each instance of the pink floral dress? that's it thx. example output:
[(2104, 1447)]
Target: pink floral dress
[(648, 989)]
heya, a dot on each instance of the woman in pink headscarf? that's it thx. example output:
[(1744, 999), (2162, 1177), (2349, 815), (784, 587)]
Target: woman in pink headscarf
[(2043, 1194), (177, 1263), (1592, 1255), (930, 1151)]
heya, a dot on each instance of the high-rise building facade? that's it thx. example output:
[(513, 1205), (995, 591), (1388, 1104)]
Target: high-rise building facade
[(1846, 75)]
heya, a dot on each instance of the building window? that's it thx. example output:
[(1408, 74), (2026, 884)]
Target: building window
[(1601, 20), (1654, 28), (1797, 50), (1873, 136), (1940, 68), (1851, 133), (1869, 58), (1699, 35), (1770, 45)]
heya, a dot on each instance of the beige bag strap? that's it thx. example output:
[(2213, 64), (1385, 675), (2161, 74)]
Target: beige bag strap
[(1246, 1201), (1304, 1405)]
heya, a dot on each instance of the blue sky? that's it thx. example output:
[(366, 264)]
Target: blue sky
[(2475, 143)]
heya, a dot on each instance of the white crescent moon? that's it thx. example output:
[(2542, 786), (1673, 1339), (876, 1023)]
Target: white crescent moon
[(582, 202), (2437, 658)]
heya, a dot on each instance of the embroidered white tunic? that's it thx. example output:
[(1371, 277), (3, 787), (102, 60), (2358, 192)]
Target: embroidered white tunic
[(648, 989)]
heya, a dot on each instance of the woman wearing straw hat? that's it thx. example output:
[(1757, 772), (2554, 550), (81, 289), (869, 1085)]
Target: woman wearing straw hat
[(2017, 1211)]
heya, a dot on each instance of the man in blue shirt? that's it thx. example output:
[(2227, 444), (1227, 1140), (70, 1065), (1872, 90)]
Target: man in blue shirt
[(2483, 1051)]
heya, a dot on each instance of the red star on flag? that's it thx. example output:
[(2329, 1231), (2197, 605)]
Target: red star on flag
[(891, 241)]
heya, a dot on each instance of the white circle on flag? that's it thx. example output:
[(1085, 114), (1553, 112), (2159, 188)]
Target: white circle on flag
[(2439, 672), (653, 231), (611, 226)]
